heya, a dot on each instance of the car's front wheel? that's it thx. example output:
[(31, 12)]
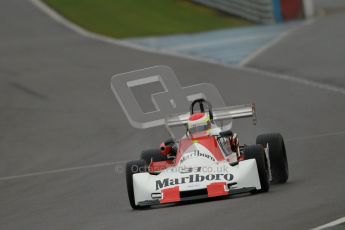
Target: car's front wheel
[(133, 167), (257, 152), (277, 155)]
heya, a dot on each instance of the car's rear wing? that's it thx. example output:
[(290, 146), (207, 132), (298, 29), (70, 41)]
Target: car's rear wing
[(219, 114)]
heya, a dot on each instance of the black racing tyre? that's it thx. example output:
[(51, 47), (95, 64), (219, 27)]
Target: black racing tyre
[(134, 167), (257, 152), (154, 154), (277, 154)]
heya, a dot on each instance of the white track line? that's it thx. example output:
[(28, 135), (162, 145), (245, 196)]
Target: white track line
[(299, 80), (280, 37), (58, 18), (105, 164), (331, 224), (61, 170), (315, 136)]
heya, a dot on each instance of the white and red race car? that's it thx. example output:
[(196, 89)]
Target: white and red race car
[(207, 161)]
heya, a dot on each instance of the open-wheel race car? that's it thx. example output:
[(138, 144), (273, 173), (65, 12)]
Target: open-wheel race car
[(207, 161)]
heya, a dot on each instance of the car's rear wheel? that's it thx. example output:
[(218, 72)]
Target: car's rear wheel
[(152, 154), (133, 167), (257, 152), (277, 154)]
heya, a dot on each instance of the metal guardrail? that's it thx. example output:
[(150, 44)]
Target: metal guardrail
[(254, 10)]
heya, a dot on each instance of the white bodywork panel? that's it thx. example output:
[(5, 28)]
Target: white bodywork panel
[(245, 174)]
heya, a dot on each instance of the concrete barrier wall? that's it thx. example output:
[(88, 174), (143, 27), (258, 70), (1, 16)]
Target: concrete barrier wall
[(255, 10)]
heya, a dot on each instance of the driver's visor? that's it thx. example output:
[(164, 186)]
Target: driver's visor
[(200, 128)]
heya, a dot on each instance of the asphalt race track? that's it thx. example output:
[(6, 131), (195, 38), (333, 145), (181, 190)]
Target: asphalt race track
[(62, 131), (316, 53)]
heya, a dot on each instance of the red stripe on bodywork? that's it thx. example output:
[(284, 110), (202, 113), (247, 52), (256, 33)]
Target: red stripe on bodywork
[(183, 146), (216, 189), (209, 142), (170, 195), (212, 145)]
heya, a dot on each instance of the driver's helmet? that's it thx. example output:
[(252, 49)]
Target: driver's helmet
[(199, 124)]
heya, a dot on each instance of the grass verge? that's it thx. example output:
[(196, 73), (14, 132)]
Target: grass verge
[(139, 18)]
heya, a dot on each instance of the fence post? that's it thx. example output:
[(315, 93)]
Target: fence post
[(309, 8), (277, 11)]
